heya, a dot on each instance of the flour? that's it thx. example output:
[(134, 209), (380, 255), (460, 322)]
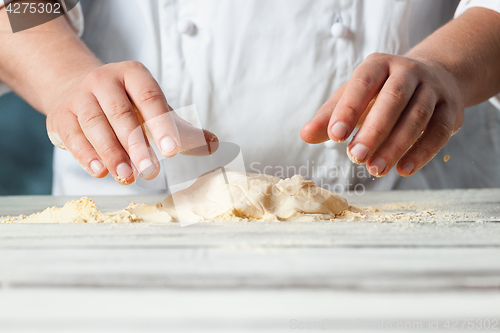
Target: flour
[(215, 196), (78, 211)]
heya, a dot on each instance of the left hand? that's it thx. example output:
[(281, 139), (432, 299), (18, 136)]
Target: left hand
[(393, 99)]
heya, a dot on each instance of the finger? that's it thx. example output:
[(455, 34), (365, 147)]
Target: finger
[(361, 119), (114, 102), (149, 99), (364, 84), (98, 131), (436, 135), (193, 141), (73, 140), (390, 103), (316, 130), (142, 155), (407, 130)]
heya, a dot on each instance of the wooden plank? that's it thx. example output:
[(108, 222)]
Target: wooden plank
[(348, 255), (69, 310), (339, 269)]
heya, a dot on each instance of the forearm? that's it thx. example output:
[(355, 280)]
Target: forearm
[(469, 48), (38, 62)]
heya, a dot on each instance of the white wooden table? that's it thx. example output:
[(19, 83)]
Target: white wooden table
[(249, 277)]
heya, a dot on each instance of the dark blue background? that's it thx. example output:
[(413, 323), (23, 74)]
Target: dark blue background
[(25, 149)]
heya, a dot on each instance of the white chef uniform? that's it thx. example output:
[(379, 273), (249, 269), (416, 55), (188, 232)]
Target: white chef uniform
[(257, 70)]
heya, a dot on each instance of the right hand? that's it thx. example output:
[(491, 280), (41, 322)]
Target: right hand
[(406, 108), (96, 122)]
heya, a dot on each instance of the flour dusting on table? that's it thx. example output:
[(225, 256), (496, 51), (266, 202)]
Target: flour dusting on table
[(217, 196)]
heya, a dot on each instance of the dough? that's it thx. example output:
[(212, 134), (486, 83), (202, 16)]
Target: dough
[(220, 195), (253, 197)]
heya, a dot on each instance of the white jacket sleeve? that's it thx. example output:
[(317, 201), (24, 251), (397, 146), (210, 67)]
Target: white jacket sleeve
[(490, 4), (75, 18)]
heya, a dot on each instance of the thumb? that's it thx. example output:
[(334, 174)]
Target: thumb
[(316, 130)]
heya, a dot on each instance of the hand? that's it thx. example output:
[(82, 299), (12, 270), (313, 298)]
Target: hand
[(99, 122), (406, 110)]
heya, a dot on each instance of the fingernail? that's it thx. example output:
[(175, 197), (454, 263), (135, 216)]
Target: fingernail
[(124, 171), (339, 131), (408, 167), (168, 145), (378, 165), (96, 166), (359, 152), (146, 167)]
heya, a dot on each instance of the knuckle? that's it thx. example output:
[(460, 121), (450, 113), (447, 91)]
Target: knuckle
[(365, 81), (135, 147), (397, 93), (443, 131), (94, 76), (375, 132), (426, 152), (70, 141), (90, 120), (132, 64), (421, 113), (112, 154), (119, 110), (151, 96), (349, 110), (452, 104), (108, 151), (80, 151), (81, 107), (412, 66), (376, 56), (398, 148)]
